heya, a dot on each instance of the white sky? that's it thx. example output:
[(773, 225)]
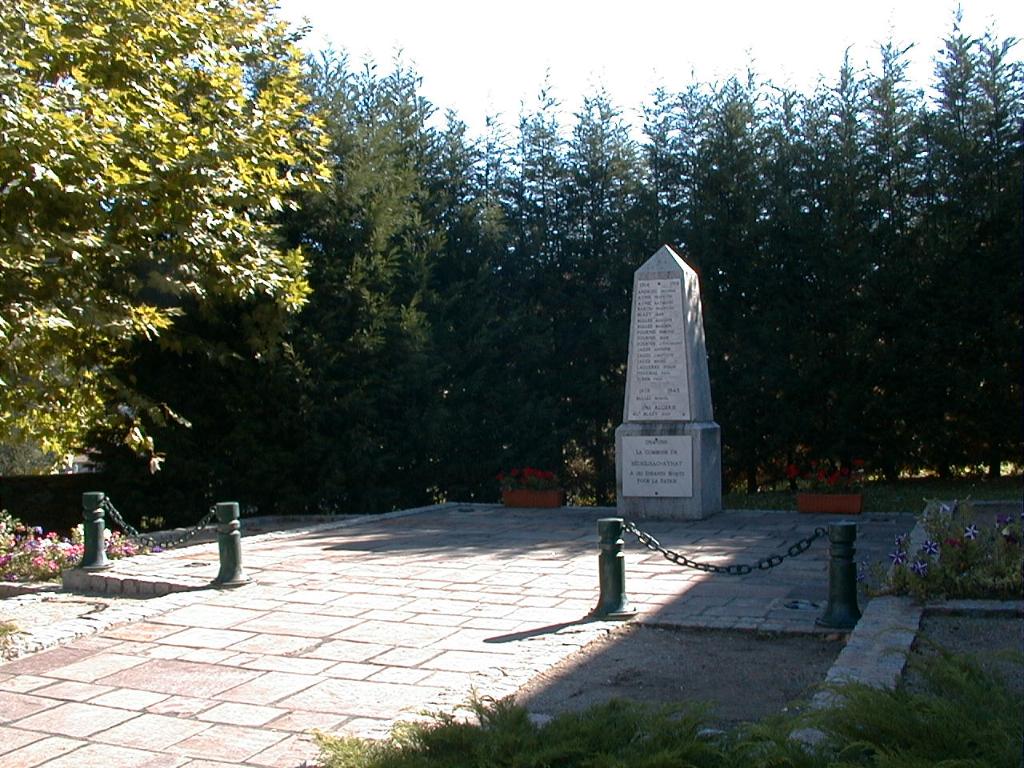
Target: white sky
[(483, 58)]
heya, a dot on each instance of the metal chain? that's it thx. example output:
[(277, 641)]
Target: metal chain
[(149, 541), (764, 564)]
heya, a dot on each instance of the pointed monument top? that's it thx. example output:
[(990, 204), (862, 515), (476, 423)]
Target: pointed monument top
[(666, 259)]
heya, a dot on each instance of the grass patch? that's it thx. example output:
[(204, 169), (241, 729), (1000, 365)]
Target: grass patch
[(907, 495), (963, 717)]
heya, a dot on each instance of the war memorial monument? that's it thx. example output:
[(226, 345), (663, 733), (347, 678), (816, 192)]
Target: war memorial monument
[(668, 456)]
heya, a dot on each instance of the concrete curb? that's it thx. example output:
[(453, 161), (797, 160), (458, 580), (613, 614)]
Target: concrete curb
[(877, 649), (16, 588)]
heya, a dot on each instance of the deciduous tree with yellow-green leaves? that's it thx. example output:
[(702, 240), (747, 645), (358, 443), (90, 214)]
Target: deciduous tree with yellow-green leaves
[(146, 147)]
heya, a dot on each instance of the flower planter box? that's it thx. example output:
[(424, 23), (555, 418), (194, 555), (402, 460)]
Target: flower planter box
[(526, 497), (830, 503)]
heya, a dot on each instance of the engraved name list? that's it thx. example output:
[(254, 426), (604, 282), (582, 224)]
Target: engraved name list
[(659, 390)]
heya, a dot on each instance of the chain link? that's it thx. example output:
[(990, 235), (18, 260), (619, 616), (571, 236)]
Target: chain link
[(764, 564), (149, 541)]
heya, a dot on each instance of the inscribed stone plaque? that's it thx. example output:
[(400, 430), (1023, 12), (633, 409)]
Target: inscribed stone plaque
[(659, 390), (657, 466)]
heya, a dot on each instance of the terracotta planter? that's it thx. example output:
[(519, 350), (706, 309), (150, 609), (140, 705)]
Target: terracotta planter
[(830, 503), (527, 497)]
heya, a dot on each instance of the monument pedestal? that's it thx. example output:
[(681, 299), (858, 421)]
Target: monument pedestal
[(659, 477)]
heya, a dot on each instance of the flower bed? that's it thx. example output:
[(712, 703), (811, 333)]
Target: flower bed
[(955, 556), (30, 554), (826, 476)]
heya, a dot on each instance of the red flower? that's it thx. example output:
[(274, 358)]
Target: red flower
[(792, 471), (858, 463), (527, 477), (954, 543)]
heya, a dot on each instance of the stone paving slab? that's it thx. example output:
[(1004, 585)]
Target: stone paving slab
[(349, 629)]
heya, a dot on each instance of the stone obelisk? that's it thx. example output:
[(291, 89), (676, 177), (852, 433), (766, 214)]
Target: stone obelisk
[(668, 454)]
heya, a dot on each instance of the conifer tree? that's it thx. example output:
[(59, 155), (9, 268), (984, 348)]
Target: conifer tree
[(970, 287), (603, 246), (364, 337)]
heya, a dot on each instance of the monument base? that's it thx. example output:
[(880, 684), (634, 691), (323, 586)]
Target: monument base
[(695, 497)]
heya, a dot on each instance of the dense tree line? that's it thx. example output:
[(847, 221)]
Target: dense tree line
[(859, 248)]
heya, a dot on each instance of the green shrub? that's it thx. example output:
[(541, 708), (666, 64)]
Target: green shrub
[(964, 717), (613, 734)]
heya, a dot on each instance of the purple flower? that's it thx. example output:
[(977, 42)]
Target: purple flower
[(1002, 520), (971, 532), (920, 567), (930, 548), (157, 548), (899, 557)]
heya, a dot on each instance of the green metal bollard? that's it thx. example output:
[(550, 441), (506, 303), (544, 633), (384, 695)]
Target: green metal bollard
[(229, 546), (612, 602), (842, 611), (94, 558)]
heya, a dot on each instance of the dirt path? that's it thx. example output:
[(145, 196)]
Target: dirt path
[(742, 676)]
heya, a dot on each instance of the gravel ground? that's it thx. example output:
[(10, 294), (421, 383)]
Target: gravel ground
[(740, 676), (39, 609), (743, 676), (997, 643)]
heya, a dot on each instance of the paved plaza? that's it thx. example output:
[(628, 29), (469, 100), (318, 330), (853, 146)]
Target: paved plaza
[(352, 626)]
